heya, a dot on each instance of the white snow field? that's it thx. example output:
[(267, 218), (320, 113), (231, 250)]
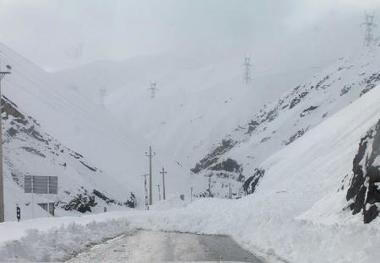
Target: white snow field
[(297, 214)]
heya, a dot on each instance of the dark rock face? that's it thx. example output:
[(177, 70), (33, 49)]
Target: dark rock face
[(364, 191), (297, 99), (370, 83), (295, 136), (228, 165), (82, 202), (131, 202), (212, 158), (345, 90), (251, 183), (308, 110)]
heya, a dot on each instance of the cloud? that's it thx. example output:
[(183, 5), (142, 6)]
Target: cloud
[(56, 33)]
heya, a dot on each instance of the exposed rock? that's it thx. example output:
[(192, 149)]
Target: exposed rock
[(370, 83), (88, 166), (308, 110), (228, 165), (251, 183), (345, 90), (82, 202), (363, 193), (212, 158), (295, 136), (34, 151)]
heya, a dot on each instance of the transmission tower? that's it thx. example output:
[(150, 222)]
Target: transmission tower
[(247, 70), (153, 88), (369, 26)]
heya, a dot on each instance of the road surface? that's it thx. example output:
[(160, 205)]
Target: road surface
[(152, 246)]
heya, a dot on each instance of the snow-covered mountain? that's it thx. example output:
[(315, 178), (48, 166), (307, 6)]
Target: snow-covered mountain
[(277, 125), (31, 151), (194, 108), (198, 101), (50, 129)]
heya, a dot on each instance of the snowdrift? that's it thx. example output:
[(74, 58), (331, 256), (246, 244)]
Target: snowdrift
[(297, 214)]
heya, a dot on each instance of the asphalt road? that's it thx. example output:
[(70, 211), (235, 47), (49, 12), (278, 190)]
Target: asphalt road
[(151, 246)]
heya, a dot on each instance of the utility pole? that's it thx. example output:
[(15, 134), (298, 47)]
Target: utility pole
[(369, 26), (209, 186), (159, 192), (150, 155), (153, 88), (163, 172), (146, 192), (247, 70), (229, 191), (2, 213), (191, 194)]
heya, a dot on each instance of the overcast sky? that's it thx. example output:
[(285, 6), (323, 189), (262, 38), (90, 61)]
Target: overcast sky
[(64, 33)]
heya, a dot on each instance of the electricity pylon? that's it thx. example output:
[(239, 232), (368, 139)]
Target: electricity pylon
[(153, 88), (369, 26), (247, 70)]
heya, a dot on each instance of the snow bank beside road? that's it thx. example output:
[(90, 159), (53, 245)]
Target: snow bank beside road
[(52, 239), (297, 213)]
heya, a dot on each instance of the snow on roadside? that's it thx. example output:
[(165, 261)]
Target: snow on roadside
[(297, 213), (54, 239)]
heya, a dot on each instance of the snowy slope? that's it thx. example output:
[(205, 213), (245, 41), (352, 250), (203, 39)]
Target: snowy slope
[(363, 191), (277, 125), (30, 151), (51, 129), (197, 102), (297, 214)]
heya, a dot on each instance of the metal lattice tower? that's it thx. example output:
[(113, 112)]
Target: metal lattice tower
[(153, 88), (247, 70), (369, 26)]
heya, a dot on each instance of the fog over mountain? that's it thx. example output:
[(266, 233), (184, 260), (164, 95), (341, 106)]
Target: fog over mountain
[(48, 33)]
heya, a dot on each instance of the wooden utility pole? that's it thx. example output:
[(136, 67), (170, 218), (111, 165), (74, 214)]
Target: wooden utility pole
[(146, 192), (163, 172), (209, 186), (150, 155), (2, 213)]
